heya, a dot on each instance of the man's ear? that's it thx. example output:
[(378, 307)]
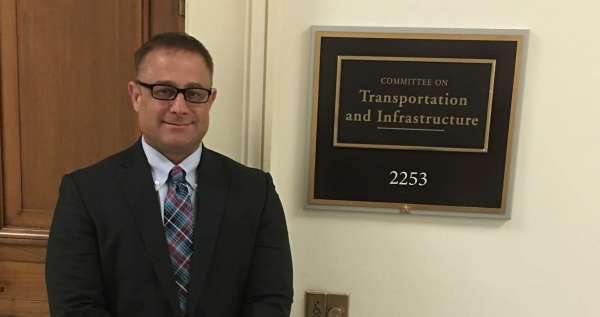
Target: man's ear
[(211, 99), (134, 94)]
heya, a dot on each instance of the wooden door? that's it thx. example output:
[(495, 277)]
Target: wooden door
[(64, 68)]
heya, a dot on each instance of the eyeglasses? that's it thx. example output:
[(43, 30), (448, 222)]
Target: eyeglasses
[(167, 92)]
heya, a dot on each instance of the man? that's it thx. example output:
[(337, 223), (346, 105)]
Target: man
[(168, 227)]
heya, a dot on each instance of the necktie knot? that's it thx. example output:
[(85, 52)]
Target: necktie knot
[(177, 175)]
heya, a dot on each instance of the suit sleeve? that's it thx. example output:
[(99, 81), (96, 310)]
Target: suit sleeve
[(73, 274), (270, 288)]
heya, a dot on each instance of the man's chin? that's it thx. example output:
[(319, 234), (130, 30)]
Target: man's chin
[(175, 145)]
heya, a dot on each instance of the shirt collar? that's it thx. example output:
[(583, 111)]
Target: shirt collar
[(161, 166)]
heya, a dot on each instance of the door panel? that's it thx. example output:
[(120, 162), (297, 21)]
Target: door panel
[(64, 68), (22, 280), (73, 61)]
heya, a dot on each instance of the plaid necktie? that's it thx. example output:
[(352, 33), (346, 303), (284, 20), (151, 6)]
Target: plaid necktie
[(178, 222)]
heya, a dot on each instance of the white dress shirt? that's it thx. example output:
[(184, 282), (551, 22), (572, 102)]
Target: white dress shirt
[(161, 166)]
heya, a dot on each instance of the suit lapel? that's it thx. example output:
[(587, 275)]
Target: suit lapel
[(137, 186), (213, 183)]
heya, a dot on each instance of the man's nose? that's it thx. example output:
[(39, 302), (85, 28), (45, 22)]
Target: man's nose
[(179, 105)]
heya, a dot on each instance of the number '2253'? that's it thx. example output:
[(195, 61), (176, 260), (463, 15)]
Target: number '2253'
[(403, 178)]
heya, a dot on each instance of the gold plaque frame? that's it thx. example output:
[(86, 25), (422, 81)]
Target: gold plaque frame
[(519, 36)]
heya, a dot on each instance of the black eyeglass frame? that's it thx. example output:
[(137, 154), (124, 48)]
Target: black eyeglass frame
[(178, 90)]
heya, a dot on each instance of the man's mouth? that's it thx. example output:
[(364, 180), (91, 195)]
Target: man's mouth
[(178, 124)]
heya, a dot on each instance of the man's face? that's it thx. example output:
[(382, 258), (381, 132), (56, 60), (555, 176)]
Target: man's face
[(173, 127)]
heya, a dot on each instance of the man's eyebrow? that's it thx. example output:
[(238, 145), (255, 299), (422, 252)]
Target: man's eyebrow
[(195, 85), (165, 82)]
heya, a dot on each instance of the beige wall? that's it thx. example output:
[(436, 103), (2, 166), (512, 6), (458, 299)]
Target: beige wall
[(545, 261), (222, 32), (234, 31)]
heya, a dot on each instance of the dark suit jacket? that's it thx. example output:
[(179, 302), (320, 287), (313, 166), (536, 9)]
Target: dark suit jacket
[(107, 252)]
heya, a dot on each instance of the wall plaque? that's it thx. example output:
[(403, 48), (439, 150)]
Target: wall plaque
[(418, 121)]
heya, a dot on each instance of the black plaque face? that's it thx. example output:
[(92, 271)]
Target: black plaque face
[(413, 121), (413, 103)]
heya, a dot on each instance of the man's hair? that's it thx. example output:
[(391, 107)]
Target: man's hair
[(176, 41)]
